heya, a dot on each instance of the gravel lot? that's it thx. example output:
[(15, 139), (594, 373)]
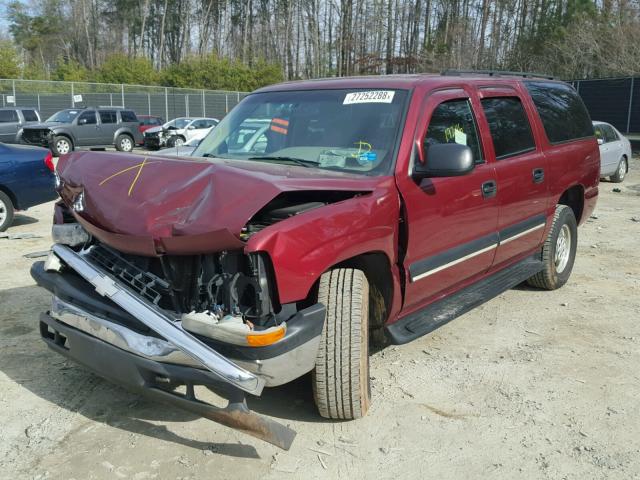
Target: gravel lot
[(531, 385)]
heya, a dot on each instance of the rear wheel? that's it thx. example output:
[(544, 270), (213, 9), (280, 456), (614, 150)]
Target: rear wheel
[(621, 172), (6, 211), (61, 146), (558, 251), (341, 378), (124, 143)]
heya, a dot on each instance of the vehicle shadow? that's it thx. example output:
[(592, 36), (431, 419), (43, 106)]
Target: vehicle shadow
[(25, 360), (22, 219)]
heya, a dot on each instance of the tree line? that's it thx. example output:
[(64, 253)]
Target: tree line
[(243, 44)]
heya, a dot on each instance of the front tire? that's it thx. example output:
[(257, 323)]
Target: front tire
[(175, 141), (6, 211), (621, 172), (124, 143), (61, 146), (558, 251), (341, 384)]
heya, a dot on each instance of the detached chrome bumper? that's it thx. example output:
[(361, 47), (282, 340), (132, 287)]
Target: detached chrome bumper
[(85, 327)]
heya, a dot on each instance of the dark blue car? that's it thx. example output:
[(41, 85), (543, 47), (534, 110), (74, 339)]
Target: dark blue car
[(26, 179)]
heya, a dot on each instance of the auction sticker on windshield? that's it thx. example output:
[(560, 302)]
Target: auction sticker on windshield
[(372, 96)]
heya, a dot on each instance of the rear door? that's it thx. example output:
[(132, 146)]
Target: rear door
[(9, 124), (451, 221), (520, 171), (108, 126)]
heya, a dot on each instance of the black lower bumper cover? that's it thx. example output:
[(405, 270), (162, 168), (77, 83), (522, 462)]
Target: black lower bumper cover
[(159, 380)]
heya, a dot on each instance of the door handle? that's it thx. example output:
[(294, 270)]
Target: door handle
[(538, 175), (489, 189)]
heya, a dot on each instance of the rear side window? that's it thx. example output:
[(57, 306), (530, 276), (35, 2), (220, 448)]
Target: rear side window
[(561, 110), (8, 116), (453, 122), (108, 116), (128, 116), (509, 126), (30, 115)]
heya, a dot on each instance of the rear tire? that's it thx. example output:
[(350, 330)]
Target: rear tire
[(124, 143), (61, 145), (6, 211), (341, 385), (558, 251), (621, 172)]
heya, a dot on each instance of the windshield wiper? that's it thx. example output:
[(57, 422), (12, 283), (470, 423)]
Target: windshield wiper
[(298, 161)]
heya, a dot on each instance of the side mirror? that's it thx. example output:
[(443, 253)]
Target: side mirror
[(601, 141), (191, 127), (82, 121), (444, 160)]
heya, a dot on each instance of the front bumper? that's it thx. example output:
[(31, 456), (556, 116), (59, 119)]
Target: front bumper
[(115, 316)]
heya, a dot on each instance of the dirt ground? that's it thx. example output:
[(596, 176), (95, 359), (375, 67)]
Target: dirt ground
[(533, 384)]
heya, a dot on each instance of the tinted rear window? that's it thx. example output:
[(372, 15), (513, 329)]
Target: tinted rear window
[(7, 116), (30, 115), (128, 116), (561, 110), (509, 126)]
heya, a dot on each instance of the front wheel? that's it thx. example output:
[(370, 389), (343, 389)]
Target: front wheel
[(6, 211), (61, 146), (124, 143), (621, 172), (558, 251), (341, 385), (175, 141)]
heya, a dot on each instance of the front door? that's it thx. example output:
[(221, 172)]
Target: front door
[(521, 172), (451, 221), (86, 130)]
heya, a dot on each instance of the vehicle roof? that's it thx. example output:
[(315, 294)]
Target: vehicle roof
[(403, 81), (149, 116)]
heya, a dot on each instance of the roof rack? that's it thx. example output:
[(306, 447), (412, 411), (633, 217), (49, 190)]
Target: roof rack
[(496, 73)]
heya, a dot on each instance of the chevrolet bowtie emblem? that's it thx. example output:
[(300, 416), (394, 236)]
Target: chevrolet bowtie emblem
[(139, 167)]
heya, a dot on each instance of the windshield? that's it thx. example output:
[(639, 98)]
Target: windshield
[(178, 123), (346, 130), (64, 116)]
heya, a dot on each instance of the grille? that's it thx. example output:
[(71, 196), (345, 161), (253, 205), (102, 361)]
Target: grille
[(146, 284)]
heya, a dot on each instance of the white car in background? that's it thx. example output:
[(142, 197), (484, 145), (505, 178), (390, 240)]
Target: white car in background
[(615, 151), (184, 150), (178, 131)]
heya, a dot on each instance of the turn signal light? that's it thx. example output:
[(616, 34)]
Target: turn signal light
[(269, 337)]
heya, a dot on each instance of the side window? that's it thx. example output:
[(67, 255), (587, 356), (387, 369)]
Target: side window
[(453, 122), (87, 118), (8, 116), (509, 126), (199, 124), (561, 110), (599, 133), (30, 115), (610, 134), (108, 116), (128, 116)]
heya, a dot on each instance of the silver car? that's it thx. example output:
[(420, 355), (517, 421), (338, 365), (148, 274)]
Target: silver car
[(615, 152)]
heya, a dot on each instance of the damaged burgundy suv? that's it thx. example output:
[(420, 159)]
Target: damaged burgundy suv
[(317, 217)]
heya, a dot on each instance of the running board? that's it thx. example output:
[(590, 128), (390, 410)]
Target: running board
[(443, 311)]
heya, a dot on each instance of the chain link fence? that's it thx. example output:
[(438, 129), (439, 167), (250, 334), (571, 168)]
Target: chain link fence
[(166, 102)]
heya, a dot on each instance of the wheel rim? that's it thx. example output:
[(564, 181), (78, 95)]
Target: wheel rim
[(563, 248), (622, 169), (62, 146), (125, 143), (179, 142), (3, 212)]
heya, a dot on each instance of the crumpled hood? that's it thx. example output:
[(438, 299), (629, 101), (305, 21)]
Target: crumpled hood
[(153, 205), (42, 125)]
